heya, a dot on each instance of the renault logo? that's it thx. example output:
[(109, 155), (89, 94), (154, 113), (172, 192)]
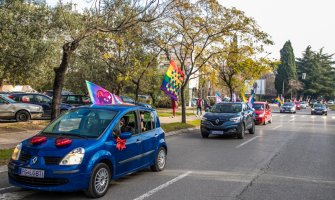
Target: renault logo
[(34, 160), (217, 121)]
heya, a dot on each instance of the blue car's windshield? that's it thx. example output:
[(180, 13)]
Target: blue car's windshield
[(82, 122), (227, 108)]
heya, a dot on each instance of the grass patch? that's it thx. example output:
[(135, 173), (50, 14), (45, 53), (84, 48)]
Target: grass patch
[(6, 127), (332, 107), (5, 155), (178, 125), (169, 114)]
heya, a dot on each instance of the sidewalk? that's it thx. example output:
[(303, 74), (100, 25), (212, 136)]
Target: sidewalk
[(166, 120)]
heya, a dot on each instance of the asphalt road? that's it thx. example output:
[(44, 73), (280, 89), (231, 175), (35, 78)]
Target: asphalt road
[(292, 158)]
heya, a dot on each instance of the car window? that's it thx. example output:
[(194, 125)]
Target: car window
[(259, 106), (82, 122), (147, 121), (73, 99), (42, 99), (127, 123), (26, 98), (2, 101)]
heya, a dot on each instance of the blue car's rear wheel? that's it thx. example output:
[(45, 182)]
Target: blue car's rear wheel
[(99, 181), (160, 160)]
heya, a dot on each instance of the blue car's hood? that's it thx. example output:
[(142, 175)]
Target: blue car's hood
[(49, 148), (222, 116)]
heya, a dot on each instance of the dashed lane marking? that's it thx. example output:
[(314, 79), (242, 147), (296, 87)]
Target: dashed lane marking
[(246, 142), (153, 191)]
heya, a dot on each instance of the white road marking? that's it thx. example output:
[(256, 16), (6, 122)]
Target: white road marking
[(324, 117), (277, 127), (246, 142), (312, 117), (333, 117), (303, 116), (282, 116), (153, 191), (291, 119), (6, 188), (15, 195)]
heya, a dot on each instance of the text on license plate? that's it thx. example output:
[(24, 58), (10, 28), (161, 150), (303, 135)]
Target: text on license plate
[(217, 132), (31, 172)]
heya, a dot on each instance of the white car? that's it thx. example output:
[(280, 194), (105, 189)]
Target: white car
[(303, 105)]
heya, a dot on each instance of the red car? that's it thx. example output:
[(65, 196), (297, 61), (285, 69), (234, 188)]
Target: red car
[(297, 105), (263, 112)]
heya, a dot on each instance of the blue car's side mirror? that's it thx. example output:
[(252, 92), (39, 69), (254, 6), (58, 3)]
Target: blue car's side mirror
[(125, 135)]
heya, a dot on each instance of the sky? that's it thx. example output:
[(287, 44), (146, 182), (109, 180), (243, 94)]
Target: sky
[(303, 22)]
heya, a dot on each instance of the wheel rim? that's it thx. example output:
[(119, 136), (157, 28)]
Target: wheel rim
[(22, 117), (101, 180), (161, 159)]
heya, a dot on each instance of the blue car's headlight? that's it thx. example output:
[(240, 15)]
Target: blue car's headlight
[(16, 152), (235, 119), (75, 157)]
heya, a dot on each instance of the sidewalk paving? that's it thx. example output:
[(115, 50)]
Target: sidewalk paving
[(166, 120)]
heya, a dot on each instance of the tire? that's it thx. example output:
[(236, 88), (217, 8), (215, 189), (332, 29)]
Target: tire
[(240, 133), (252, 129), (22, 116), (264, 123), (312, 113), (100, 171), (204, 135), (160, 160)]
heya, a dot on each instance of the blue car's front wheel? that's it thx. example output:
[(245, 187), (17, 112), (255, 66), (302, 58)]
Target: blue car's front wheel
[(99, 181)]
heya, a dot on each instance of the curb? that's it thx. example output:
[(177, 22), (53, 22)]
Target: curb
[(3, 168)]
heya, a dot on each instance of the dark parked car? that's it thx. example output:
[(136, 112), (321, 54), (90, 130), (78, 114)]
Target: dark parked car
[(227, 118), (51, 92), (76, 100), (21, 112), (319, 109), (132, 101), (38, 99)]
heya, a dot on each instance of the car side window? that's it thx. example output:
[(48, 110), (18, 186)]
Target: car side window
[(127, 123), (41, 99), (27, 98), (147, 121), (2, 101)]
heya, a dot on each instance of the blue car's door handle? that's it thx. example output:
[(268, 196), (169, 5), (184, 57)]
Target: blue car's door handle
[(138, 141), (156, 135)]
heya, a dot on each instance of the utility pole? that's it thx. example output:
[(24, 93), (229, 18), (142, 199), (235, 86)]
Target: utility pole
[(283, 87)]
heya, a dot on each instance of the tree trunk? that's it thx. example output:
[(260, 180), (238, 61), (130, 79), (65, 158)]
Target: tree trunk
[(183, 105), (68, 49), (137, 90), (231, 93)]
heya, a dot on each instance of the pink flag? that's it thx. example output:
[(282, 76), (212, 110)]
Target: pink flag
[(101, 96)]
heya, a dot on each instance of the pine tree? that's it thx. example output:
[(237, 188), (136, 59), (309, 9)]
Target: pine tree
[(287, 69)]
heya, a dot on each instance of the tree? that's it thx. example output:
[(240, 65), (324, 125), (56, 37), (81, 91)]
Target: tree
[(24, 51), (287, 69), (197, 28), (320, 75), (108, 16)]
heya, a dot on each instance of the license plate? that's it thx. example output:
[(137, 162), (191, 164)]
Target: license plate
[(217, 132), (31, 172)]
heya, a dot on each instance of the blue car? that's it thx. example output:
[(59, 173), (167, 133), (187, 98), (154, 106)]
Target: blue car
[(228, 118), (88, 146)]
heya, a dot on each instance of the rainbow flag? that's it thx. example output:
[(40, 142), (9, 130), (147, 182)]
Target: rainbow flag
[(172, 81), (279, 101), (100, 96)]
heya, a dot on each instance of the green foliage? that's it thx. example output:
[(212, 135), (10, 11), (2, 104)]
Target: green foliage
[(287, 69), (177, 125), (24, 47), (320, 73)]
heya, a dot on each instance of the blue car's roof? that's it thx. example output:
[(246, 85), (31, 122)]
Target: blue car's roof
[(117, 107)]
